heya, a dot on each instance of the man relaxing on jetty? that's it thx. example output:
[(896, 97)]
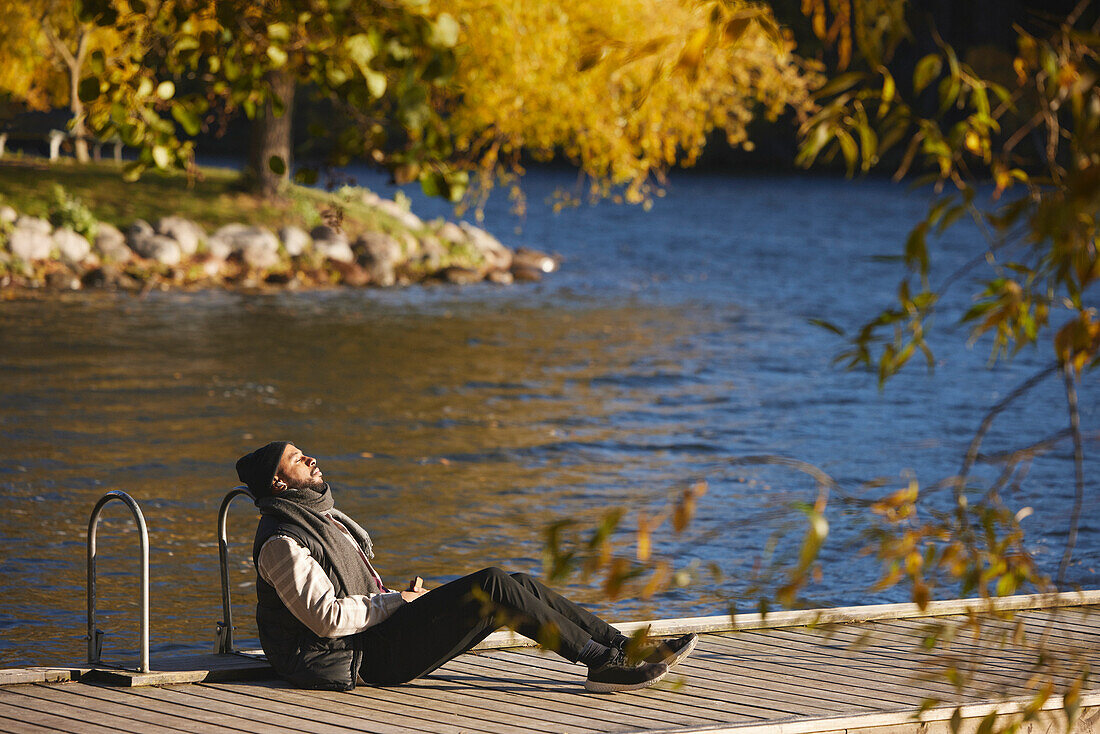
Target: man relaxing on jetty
[(324, 614)]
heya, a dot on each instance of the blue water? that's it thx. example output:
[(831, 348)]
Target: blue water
[(458, 422)]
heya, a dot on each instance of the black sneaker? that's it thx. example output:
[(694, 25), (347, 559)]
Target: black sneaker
[(673, 651), (619, 675)]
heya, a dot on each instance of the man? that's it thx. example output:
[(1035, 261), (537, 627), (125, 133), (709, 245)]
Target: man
[(325, 616)]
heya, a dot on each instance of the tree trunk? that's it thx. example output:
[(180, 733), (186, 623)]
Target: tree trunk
[(79, 131), (271, 137)]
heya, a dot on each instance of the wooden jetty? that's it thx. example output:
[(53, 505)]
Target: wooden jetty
[(856, 670)]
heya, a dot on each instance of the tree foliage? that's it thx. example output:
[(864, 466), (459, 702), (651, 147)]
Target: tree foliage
[(439, 91), (624, 90), (44, 47)]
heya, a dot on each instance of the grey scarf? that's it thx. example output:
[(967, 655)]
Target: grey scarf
[(304, 508)]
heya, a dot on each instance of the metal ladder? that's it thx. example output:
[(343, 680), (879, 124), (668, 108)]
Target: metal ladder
[(224, 642), (95, 635)]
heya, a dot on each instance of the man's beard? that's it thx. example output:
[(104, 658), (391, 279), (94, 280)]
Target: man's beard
[(314, 484)]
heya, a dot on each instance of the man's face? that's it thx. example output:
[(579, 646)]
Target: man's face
[(297, 470)]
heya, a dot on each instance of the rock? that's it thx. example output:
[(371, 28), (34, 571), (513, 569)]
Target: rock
[(497, 256), (327, 233), (30, 243), (332, 244), (336, 250), (71, 245), (144, 240), (111, 243), (501, 277), (353, 275), (295, 240), (140, 228), (33, 224), (157, 247), (524, 273), (218, 249), (395, 210), (94, 278), (62, 280), (462, 276), (187, 233), (432, 252), (375, 247), (410, 246), (380, 253), (257, 246), (528, 258), (371, 199), (8, 215), (452, 233)]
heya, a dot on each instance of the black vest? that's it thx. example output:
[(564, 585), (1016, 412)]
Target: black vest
[(294, 651)]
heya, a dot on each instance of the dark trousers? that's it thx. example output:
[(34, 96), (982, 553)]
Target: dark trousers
[(449, 620)]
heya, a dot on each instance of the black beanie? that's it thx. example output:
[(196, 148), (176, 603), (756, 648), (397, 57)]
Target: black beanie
[(258, 468)]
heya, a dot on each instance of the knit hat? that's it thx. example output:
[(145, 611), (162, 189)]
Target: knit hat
[(258, 468)]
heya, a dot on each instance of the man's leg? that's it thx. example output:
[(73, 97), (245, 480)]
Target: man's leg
[(599, 630), (449, 620)]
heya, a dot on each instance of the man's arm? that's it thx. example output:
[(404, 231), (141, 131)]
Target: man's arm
[(305, 589)]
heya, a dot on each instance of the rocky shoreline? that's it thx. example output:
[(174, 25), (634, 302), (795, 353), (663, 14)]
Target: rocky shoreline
[(73, 251)]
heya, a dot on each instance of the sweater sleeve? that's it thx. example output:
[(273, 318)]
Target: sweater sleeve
[(305, 589)]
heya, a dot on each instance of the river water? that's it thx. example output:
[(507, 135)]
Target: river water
[(458, 422)]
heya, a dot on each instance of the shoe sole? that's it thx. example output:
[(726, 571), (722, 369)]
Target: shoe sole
[(683, 653), (596, 687)]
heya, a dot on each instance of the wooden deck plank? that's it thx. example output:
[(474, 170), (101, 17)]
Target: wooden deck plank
[(617, 714), (247, 697), (716, 694), (122, 718), (367, 707), (83, 697), (535, 711), (53, 722), (317, 705), (786, 669), (454, 679), (992, 661), (690, 705), (12, 726), (633, 707), (200, 709), (1061, 635), (847, 670), (625, 710)]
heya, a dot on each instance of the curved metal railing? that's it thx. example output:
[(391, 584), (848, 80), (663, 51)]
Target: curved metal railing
[(224, 643), (95, 635)]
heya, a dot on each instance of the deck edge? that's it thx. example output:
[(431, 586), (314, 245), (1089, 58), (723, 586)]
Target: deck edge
[(809, 617), (878, 719)]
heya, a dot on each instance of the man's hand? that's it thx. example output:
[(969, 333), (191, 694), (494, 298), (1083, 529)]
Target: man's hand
[(415, 591)]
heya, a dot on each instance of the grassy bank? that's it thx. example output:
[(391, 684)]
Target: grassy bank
[(367, 240), (212, 199)]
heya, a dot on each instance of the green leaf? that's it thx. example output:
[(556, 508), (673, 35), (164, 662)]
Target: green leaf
[(277, 165), (827, 325), (927, 69), (376, 83), (162, 157), (916, 248), (277, 55), (88, 89), (433, 183), (306, 176), (279, 32), (838, 84), (187, 119), (445, 31)]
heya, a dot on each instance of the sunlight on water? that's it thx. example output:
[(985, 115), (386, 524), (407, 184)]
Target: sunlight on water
[(456, 423)]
